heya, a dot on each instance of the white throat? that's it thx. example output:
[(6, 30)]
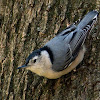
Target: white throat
[(43, 65)]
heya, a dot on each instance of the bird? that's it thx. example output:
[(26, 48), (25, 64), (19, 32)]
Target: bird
[(64, 52)]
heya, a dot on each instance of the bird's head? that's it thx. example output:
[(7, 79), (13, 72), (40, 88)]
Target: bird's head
[(37, 60)]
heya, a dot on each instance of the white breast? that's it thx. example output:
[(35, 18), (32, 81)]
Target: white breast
[(45, 67)]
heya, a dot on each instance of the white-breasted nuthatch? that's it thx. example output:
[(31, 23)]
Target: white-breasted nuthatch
[(64, 52)]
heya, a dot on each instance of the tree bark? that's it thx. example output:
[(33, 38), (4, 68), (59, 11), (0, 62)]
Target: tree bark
[(26, 25)]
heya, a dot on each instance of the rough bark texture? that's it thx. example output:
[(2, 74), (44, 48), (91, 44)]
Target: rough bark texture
[(26, 25)]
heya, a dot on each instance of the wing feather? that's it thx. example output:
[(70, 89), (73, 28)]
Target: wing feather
[(67, 44)]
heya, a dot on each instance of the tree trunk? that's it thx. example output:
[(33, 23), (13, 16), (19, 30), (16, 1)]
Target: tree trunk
[(26, 25)]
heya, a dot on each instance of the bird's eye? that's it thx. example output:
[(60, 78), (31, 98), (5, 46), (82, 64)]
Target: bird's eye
[(34, 60)]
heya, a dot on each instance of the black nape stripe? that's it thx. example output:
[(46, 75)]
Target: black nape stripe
[(49, 51)]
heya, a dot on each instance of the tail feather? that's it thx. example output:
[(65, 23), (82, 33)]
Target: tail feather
[(89, 19), (83, 29)]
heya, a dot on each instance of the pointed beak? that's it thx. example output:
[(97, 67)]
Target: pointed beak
[(22, 66)]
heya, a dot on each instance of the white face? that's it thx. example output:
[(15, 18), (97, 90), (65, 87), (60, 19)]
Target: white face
[(38, 63), (35, 61)]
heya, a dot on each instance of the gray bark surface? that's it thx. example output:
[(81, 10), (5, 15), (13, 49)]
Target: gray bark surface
[(26, 25)]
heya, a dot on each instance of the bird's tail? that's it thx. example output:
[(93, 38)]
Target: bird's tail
[(89, 19), (83, 28)]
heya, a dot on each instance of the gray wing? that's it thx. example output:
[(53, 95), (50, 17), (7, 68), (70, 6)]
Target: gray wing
[(66, 45)]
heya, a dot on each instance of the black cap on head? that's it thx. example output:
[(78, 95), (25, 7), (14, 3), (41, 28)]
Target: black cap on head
[(33, 54)]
